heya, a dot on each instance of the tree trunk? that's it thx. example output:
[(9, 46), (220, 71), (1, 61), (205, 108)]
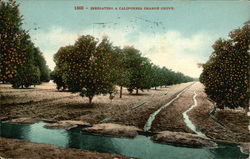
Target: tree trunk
[(247, 106), (155, 88), (120, 91), (90, 99), (22, 86), (212, 112), (247, 109), (137, 91)]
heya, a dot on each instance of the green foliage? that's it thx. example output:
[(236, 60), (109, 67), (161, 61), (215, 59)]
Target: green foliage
[(157, 77), (11, 53), (40, 62), (226, 74), (121, 74), (26, 76), (18, 55), (163, 77), (144, 75), (91, 69), (87, 66), (138, 68), (28, 73), (57, 78)]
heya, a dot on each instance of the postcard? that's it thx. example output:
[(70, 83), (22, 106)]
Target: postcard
[(124, 79)]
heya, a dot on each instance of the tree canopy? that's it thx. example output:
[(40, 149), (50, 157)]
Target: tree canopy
[(21, 63), (226, 73), (93, 67), (87, 66)]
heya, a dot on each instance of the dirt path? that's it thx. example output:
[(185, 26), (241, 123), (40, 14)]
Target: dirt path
[(171, 117), (153, 115), (138, 117), (18, 149)]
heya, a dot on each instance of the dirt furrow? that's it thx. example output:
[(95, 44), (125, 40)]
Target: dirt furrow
[(171, 117), (236, 120), (55, 105), (140, 116)]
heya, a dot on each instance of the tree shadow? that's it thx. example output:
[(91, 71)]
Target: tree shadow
[(140, 94), (84, 105), (24, 88), (159, 89), (56, 90)]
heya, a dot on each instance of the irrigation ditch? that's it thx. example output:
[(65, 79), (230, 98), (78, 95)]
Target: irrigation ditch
[(152, 116), (140, 147), (187, 121)]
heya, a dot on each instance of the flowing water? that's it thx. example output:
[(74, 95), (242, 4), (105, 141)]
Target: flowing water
[(188, 121), (140, 146), (152, 116)]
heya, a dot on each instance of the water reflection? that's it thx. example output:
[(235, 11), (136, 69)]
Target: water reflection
[(14, 130), (40, 134), (76, 139), (230, 151), (140, 147)]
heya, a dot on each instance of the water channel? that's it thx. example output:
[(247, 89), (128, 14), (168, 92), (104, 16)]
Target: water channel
[(140, 146)]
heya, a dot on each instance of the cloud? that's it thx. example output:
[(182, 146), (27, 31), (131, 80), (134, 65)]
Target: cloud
[(50, 41), (177, 52), (171, 49)]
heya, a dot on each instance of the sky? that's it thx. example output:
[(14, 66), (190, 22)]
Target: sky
[(178, 38)]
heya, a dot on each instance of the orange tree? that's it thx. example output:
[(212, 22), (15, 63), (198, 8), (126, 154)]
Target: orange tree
[(61, 60), (21, 63), (139, 69), (87, 66), (226, 74), (120, 74), (28, 73), (11, 53), (163, 77), (157, 76), (40, 62), (56, 76)]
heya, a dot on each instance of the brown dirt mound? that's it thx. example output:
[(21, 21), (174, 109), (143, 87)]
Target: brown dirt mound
[(18, 149), (183, 139), (113, 130), (66, 124)]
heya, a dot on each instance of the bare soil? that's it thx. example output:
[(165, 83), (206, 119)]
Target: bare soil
[(18, 149), (110, 129), (184, 139), (45, 102), (171, 118), (235, 122)]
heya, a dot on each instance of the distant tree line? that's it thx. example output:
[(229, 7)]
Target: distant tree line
[(94, 67), (226, 73), (21, 63)]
